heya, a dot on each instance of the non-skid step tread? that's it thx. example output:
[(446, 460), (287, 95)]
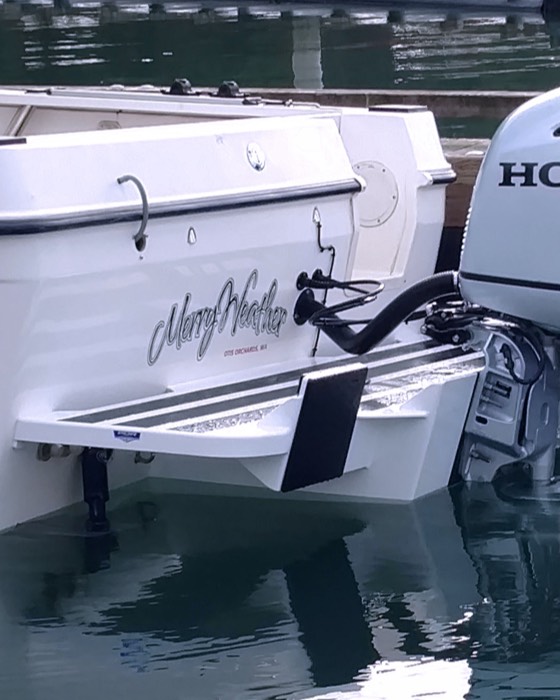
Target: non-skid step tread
[(171, 407), (289, 376), (249, 422)]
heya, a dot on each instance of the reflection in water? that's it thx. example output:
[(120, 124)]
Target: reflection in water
[(234, 597), (273, 45), (516, 551)]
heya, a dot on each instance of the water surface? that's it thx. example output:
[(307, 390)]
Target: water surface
[(274, 45), (197, 596)]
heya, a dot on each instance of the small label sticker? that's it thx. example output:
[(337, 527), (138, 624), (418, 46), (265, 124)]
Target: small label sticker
[(126, 435)]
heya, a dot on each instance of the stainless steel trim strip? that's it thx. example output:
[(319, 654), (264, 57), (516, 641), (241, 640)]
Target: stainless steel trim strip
[(43, 222)]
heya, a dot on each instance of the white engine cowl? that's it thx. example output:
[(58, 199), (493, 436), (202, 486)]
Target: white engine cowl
[(511, 252)]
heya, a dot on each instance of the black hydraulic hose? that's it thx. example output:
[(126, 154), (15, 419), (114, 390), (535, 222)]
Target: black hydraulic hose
[(442, 284)]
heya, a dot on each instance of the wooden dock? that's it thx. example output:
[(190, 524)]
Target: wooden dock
[(465, 155), (486, 104)]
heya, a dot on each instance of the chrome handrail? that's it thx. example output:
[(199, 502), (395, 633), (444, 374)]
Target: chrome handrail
[(140, 236)]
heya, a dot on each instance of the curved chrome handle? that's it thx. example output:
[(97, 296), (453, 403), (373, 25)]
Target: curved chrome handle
[(139, 237)]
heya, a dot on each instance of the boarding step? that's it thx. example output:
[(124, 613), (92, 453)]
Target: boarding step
[(259, 416)]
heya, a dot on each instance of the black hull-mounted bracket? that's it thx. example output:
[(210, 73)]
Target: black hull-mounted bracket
[(96, 488)]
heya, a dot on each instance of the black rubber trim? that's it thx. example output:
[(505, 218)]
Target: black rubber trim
[(31, 227), (324, 429), (443, 178), (511, 281), (398, 108), (15, 141)]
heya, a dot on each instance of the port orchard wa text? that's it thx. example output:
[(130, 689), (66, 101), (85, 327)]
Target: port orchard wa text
[(236, 311)]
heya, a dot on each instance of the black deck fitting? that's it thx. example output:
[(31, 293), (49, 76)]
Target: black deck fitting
[(229, 88), (181, 86)]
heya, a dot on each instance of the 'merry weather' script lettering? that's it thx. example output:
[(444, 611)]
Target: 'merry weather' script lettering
[(185, 324)]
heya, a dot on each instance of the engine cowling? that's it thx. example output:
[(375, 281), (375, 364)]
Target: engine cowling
[(510, 260)]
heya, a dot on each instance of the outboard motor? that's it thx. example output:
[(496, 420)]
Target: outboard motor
[(510, 277)]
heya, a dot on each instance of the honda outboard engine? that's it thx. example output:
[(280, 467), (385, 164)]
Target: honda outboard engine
[(510, 272)]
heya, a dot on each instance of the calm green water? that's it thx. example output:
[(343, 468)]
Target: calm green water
[(217, 598), (223, 598), (267, 45)]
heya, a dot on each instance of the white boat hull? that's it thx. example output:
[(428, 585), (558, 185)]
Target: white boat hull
[(151, 247)]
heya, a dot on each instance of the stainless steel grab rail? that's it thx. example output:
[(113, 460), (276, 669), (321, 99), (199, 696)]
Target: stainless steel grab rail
[(140, 236)]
